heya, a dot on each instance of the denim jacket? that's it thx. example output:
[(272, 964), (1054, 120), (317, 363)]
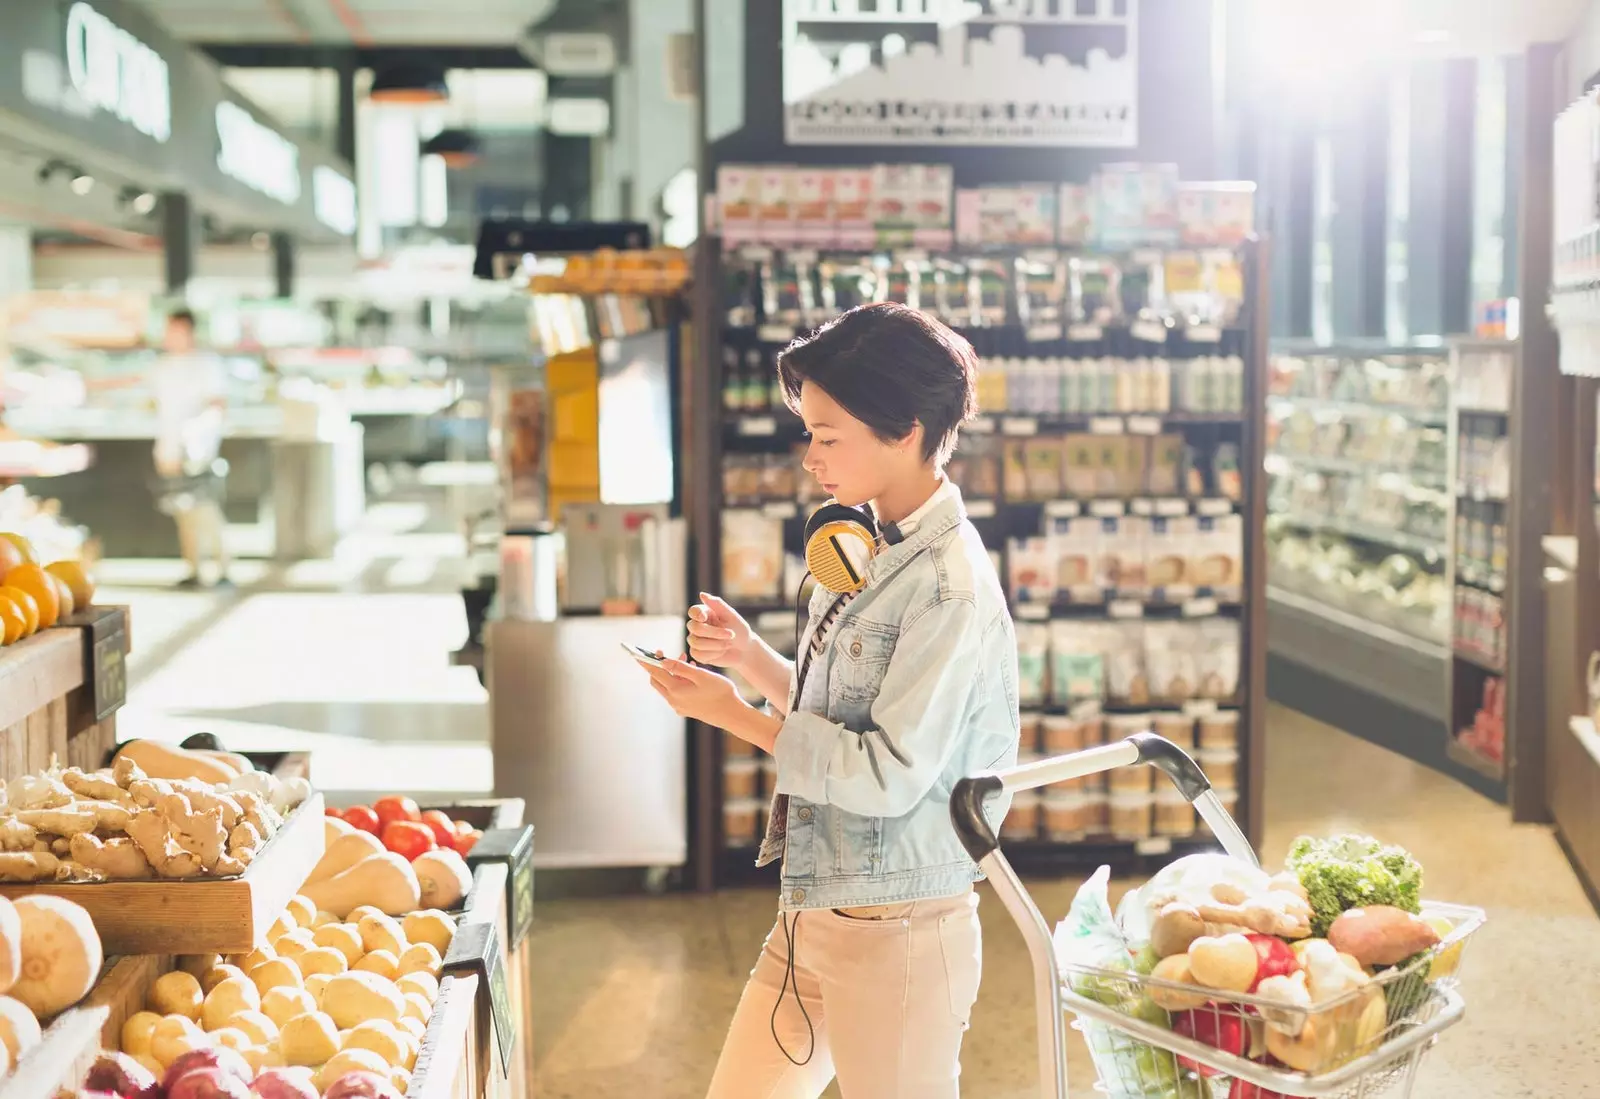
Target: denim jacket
[(915, 689)]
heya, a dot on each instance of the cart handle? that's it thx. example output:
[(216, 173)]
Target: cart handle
[(969, 794)]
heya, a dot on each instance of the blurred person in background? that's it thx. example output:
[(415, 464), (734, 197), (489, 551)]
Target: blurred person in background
[(189, 385)]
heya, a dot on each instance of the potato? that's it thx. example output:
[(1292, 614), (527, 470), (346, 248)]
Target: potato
[(1174, 969), (19, 1030), (380, 932), (419, 958), (324, 918), (317, 985), (281, 926), (414, 1027), (354, 998), (294, 944), (424, 984), (1381, 935), (197, 964), (384, 1039), (342, 937), (381, 962), (156, 1068), (259, 1026), (413, 1047), (417, 1007), (214, 976), (322, 959), (309, 1039), (278, 973), (362, 912), (303, 911), (262, 953), (432, 927), (400, 1078), (348, 1061), (283, 1003), (231, 1038), (174, 1036), (263, 1057), (136, 1032), (232, 996), (177, 993)]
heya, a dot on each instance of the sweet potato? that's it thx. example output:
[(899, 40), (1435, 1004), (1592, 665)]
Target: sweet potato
[(1381, 935)]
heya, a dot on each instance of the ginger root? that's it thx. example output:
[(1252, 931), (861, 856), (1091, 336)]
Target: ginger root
[(200, 833), (119, 859), (243, 843), (96, 787), (125, 772), (17, 836), (260, 813), (150, 831), (204, 798), (61, 822), (28, 866)]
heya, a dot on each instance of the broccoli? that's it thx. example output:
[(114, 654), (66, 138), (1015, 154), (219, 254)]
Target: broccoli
[(1353, 871)]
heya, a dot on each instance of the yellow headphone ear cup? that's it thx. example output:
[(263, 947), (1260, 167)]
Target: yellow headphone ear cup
[(837, 554)]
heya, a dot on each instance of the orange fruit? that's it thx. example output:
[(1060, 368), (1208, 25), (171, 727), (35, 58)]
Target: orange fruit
[(27, 605), (42, 586), (63, 593), (22, 546), (13, 623), (77, 578), (10, 556)]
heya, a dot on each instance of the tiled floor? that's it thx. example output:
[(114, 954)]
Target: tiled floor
[(635, 992)]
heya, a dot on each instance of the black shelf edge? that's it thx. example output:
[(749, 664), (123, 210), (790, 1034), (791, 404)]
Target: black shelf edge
[(1479, 662)]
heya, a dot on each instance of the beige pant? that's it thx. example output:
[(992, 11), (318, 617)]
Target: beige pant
[(889, 993)]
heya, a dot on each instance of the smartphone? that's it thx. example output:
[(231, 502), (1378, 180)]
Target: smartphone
[(642, 655)]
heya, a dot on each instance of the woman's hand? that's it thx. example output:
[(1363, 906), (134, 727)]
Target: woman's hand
[(718, 636), (705, 696)]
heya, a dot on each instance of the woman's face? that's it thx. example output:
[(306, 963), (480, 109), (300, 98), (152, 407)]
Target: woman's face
[(848, 460)]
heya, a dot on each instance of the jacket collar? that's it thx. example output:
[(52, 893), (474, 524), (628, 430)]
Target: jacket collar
[(943, 511)]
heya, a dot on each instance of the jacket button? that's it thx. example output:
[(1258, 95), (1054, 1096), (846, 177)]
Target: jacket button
[(797, 896), (805, 812), (855, 648)]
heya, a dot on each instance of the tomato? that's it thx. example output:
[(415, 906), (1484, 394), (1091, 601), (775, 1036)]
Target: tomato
[(335, 812), (465, 841), (395, 808), (1274, 958), (363, 818), (408, 838), (443, 828)]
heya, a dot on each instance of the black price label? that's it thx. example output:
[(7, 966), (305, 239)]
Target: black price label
[(476, 949), (110, 674), (514, 847)]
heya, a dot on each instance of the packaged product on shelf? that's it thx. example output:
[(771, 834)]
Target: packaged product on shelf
[(1166, 466), (1136, 465), (1219, 658), (1130, 780), (1030, 732), (1112, 452), (1127, 537), (1127, 679), (1129, 816), (1092, 294), (752, 556), (1022, 821), (753, 381), (1077, 666), (741, 294), (1176, 727), (740, 778), (1225, 473), (1033, 658), (1066, 815), (739, 822), (1166, 552), (990, 384), (1135, 204), (1080, 477), (1218, 213), (1043, 460), (813, 202), (1079, 558), (769, 775), (777, 212), (1221, 765), (1219, 729), (1062, 733), (852, 207), (990, 287), (1173, 815), (951, 295), (1171, 660), (739, 202), (1041, 289), (1014, 469), (1072, 214)]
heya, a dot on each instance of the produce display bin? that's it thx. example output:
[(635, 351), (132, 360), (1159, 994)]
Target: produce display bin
[(64, 1054), (47, 689), (202, 916)]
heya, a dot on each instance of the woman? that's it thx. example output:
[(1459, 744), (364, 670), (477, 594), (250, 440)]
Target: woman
[(871, 971)]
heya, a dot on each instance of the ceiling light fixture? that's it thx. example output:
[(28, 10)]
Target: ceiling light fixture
[(410, 83), (458, 148), (144, 203), (82, 183)]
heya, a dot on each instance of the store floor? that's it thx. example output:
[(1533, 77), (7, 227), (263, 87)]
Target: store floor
[(635, 992)]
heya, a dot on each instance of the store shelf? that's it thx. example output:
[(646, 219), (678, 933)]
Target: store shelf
[(1478, 661), (1480, 578), (1484, 766), (1367, 532), (1468, 410), (785, 425), (1427, 417), (1357, 467)]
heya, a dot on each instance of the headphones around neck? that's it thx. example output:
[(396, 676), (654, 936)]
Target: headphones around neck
[(840, 542)]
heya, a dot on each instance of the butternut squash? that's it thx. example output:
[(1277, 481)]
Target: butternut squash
[(444, 878), (169, 761), (61, 954), (341, 855), (385, 881), (239, 763), (10, 945)]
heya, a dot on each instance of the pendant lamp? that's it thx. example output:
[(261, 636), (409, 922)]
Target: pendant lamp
[(458, 148), (410, 82)]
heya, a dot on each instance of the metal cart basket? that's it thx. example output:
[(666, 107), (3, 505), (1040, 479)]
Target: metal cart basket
[(1365, 1043)]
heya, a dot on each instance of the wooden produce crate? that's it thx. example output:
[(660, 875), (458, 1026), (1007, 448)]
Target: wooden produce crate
[(49, 696), (200, 916), (62, 1058)]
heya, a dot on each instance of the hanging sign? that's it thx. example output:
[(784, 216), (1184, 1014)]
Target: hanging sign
[(115, 72), (257, 155), (961, 72)]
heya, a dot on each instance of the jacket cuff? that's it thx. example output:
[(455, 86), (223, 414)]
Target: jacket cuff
[(803, 749)]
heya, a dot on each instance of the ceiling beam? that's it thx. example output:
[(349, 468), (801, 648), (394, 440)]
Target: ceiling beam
[(291, 55)]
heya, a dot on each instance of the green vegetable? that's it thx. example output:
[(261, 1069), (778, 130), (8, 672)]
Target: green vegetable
[(1354, 871)]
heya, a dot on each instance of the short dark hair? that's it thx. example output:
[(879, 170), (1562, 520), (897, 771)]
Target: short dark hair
[(183, 316), (891, 367)]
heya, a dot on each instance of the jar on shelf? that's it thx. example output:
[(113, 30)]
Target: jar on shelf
[(1130, 816), (1030, 739), (735, 748), (1219, 730), (1174, 816), (1022, 821), (1063, 734), (1178, 728), (1131, 780), (1221, 766), (740, 779), (1066, 816), (739, 820)]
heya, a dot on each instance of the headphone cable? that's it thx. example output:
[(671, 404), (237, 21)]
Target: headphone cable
[(789, 977)]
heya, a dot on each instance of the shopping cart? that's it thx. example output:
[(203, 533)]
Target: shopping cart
[(1366, 1043)]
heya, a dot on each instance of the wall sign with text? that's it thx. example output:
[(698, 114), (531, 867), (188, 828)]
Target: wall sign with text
[(961, 72)]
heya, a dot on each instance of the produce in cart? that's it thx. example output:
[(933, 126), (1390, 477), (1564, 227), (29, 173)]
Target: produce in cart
[(1303, 971), (157, 812)]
